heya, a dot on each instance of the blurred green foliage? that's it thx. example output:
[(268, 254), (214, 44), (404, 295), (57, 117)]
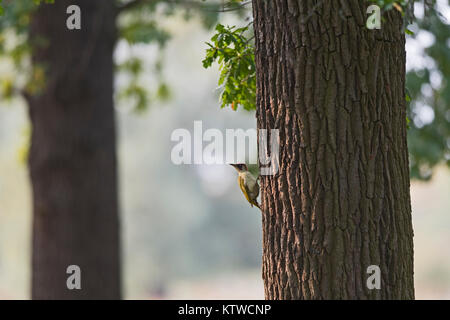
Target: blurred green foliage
[(429, 88), (137, 24)]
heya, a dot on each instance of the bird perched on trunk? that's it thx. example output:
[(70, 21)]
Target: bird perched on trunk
[(248, 184)]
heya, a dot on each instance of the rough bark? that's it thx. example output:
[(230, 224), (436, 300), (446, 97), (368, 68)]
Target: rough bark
[(341, 201), (72, 158)]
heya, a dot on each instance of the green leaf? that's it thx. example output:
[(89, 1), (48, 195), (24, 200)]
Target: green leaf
[(409, 32)]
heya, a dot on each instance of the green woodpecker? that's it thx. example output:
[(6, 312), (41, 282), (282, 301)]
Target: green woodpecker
[(248, 184)]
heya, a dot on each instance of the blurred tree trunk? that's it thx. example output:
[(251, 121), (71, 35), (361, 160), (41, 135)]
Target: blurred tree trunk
[(72, 158), (340, 201)]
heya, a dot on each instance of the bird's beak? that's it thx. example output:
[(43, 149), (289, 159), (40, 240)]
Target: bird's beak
[(234, 166)]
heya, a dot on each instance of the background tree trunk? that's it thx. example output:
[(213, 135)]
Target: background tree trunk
[(73, 155), (340, 202)]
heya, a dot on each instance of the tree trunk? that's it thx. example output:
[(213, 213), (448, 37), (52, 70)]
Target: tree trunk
[(73, 154), (340, 201)]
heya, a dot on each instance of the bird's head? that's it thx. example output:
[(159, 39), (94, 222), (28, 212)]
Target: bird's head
[(240, 167)]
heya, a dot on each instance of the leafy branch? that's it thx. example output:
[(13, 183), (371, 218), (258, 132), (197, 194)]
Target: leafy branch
[(234, 53)]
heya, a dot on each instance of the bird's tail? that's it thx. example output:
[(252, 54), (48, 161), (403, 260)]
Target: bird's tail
[(256, 204)]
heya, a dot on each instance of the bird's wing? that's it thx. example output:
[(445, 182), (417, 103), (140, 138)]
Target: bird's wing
[(244, 189), (256, 189), (253, 186)]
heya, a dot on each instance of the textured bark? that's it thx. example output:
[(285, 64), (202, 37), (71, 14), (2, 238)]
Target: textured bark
[(73, 157), (340, 202)]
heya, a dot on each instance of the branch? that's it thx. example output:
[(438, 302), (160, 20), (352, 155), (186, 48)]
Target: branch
[(15, 92), (231, 7), (25, 94), (134, 3), (187, 3)]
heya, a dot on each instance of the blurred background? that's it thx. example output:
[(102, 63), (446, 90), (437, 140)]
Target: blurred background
[(187, 231)]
